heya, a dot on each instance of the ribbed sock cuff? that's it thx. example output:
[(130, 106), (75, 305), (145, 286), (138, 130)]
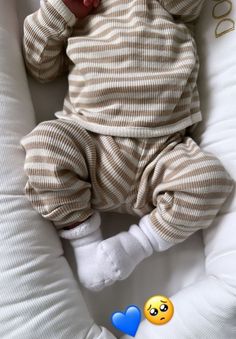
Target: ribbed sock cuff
[(142, 239), (158, 243), (88, 226)]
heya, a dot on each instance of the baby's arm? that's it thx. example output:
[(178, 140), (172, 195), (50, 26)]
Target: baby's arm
[(185, 10), (45, 37)]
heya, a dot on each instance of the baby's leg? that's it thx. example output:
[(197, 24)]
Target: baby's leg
[(192, 187), (60, 161), (58, 183)]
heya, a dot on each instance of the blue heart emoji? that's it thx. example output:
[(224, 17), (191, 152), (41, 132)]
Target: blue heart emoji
[(127, 322)]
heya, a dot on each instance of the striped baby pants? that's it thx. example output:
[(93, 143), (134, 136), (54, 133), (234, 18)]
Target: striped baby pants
[(72, 172)]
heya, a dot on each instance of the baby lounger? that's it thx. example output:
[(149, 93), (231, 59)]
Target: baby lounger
[(39, 294)]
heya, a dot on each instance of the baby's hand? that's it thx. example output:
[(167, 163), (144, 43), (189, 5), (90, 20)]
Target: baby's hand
[(81, 8)]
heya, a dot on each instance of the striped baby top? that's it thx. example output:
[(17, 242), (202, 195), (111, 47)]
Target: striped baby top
[(132, 65)]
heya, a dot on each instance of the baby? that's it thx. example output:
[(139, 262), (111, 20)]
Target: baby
[(121, 142)]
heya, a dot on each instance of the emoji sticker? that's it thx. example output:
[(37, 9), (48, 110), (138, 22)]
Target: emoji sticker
[(158, 310), (128, 321)]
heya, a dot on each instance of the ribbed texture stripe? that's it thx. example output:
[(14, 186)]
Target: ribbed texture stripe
[(72, 172), (133, 66)]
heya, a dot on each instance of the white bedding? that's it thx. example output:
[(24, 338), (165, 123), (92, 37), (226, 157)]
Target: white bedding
[(38, 295)]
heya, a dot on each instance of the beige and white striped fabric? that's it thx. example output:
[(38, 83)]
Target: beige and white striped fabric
[(133, 64), (72, 172)]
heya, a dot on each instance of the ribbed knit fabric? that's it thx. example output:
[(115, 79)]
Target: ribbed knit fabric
[(72, 172), (133, 65)]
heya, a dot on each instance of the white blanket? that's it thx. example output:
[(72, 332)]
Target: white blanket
[(39, 298)]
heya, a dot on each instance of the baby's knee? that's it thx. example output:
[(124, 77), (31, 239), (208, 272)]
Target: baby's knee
[(43, 134), (42, 146), (51, 139), (216, 179)]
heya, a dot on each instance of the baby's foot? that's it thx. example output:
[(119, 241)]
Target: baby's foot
[(101, 263), (123, 252), (85, 239), (95, 272)]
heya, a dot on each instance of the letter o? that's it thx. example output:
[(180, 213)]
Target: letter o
[(226, 13)]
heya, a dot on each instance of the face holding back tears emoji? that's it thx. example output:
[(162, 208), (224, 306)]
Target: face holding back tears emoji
[(158, 310)]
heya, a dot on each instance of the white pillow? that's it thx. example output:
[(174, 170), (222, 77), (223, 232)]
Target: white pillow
[(216, 39), (207, 309), (39, 297)]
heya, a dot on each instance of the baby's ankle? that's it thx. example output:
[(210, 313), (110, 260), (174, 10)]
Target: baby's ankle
[(75, 224)]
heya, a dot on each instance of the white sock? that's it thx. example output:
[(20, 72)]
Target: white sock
[(84, 240), (123, 252), (82, 230), (102, 262), (157, 242)]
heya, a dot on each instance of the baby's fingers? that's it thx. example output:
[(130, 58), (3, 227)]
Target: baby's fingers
[(96, 3), (88, 3)]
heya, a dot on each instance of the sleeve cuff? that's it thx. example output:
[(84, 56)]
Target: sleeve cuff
[(64, 11)]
